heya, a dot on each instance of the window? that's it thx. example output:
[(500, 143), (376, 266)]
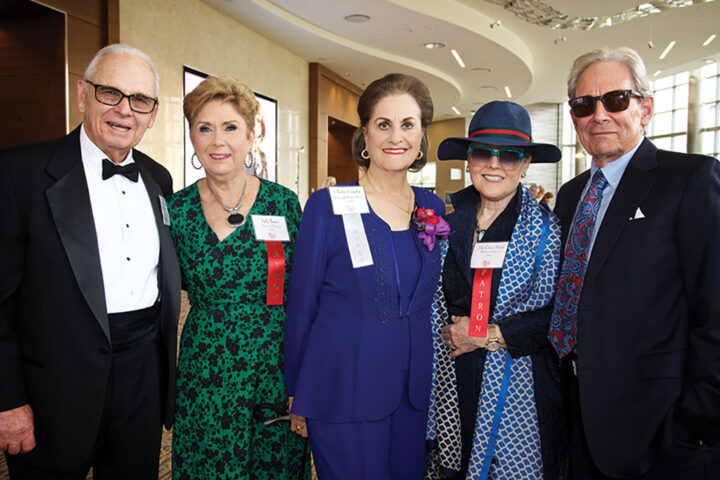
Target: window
[(710, 110), (668, 128), (425, 178)]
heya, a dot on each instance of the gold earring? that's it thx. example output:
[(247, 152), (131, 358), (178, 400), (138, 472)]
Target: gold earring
[(524, 174), (364, 154), (420, 155)]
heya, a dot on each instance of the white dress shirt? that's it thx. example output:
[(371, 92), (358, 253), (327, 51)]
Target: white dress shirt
[(126, 231)]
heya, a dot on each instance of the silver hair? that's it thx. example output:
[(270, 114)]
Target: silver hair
[(624, 55), (122, 49)]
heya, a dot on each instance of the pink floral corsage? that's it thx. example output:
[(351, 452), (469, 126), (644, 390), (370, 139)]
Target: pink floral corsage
[(430, 226)]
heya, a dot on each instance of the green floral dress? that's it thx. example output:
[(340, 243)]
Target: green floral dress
[(230, 369)]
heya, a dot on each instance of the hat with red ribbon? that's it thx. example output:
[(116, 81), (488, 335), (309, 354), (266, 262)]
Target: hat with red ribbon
[(501, 124)]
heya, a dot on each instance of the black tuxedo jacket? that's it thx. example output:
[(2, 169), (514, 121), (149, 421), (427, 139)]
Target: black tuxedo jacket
[(55, 348), (649, 315)]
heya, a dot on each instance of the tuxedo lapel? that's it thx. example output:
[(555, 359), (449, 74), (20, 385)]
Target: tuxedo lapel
[(169, 271), (632, 189), (69, 202)]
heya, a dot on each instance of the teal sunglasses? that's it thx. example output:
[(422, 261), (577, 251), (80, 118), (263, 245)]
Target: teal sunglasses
[(507, 157)]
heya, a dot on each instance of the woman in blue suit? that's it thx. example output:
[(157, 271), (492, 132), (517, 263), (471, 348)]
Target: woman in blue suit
[(358, 347)]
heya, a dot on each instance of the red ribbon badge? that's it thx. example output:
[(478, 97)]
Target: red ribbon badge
[(480, 309), (276, 272)]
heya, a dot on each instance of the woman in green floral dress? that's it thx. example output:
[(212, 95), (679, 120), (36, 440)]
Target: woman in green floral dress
[(230, 368)]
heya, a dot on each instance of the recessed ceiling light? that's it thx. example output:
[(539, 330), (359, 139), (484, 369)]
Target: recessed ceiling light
[(457, 58), (507, 92), (667, 50), (433, 45), (481, 70), (709, 39), (457, 112), (357, 18), (657, 72)]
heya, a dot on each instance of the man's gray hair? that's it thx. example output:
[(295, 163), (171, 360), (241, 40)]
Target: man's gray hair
[(624, 55), (122, 49)]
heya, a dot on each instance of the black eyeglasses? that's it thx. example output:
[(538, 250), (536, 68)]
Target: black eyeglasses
[(112, 96), (615, 101), (508, 158)]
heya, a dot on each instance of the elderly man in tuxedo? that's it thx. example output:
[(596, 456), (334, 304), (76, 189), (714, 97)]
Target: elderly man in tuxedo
[(636, 316), (89, 287)]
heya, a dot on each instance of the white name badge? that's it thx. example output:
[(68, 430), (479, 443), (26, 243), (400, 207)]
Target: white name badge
[(164, 211), (488, 255), (348, 200), (270, 228), (357, 240)]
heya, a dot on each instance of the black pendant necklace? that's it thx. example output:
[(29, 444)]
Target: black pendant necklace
[(235, 219)]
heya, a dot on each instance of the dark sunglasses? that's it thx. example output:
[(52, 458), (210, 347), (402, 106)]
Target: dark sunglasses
[(508, 158), (615, 101)]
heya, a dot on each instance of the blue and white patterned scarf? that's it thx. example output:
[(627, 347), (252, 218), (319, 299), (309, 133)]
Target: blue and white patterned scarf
[(506, 422)]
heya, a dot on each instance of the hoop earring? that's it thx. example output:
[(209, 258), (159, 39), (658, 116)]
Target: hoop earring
[(364, 154), (250, 155), (192, 162), (524, 174), (467, 168), (420, 155)]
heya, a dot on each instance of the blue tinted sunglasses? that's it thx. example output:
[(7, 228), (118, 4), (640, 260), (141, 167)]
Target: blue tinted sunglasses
[(507, 157)]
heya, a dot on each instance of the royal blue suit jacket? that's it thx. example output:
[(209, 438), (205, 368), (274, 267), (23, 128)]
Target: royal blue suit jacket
[(343, 323), (648, 338)]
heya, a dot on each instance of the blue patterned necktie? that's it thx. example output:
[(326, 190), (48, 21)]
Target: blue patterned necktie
[(563, 324)]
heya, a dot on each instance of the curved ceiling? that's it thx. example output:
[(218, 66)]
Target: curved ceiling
[(498, 47)]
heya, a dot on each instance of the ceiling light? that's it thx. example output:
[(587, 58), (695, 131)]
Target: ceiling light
[(658, 72), (457, 57), (357, 18), (433, 45), (667, 50), (709, 39), (507, 92), (457, 112)]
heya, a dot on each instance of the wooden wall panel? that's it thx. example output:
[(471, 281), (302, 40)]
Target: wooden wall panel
[(91, 24), (32, 79), (330, 96), (341, 163), (75, 116), (90, 11), (84, 40)]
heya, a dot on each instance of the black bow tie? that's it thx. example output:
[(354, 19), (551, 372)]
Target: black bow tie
[(130, 170)]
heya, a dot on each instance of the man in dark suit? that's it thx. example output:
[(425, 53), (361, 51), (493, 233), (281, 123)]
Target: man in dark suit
[(89, 288), (637, 316)]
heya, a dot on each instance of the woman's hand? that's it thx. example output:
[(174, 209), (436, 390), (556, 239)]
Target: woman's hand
[(456, 337), (297, 423)]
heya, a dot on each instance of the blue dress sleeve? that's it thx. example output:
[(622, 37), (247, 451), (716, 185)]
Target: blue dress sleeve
[(307, 275)]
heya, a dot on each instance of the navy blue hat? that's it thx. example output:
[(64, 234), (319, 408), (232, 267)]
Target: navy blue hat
[(505, 124)]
